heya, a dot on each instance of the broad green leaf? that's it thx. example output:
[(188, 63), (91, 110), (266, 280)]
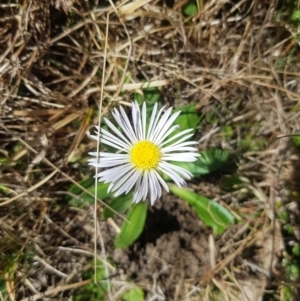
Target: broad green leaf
[(132, 229), (188, 118), (210, 212), (134, 294), (119, 204), (83, 197)]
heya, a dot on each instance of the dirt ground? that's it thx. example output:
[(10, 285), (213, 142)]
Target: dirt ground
[(173, 247), (65, 63)]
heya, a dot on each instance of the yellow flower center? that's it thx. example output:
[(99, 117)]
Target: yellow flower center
[(145, 155)]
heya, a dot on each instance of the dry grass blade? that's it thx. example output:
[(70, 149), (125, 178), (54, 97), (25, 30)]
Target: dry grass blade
[(56, 290)]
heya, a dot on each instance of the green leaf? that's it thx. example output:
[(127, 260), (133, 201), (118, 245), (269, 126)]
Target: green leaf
[(190, 9), (93, 291), (210, 212), (296, 249), (132, 229), (134, 294), (84, 183), (231, 183), (150, 96), (295, 272), (119, 204), (188, 118), (296, 16), (296, 140), (4, 189), (3, 289), (212, 160), (228, 131), (84, 198)]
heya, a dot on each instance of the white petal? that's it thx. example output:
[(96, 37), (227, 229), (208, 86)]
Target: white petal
[(120, 183), (138, 192), (182, 141), (160, 125), (114, 129), (183, 149), (177, 136), (113, 174), (132, 181), (151, 120), (139, 124), (123, 126), (154, 187), (179, 158), (144, 121), (128, 183), (110, 155), (161, 181), (121, 123), (179, 144), (144, 186), (127, 128), (161, 134), (106, 135), (177, 169), (152, 190), (108, 159), (146, 181), (171, 173), (170, 131), (128, 124), (112, 159), (136, 117), (109, 163), (154, 126), (107, 142)]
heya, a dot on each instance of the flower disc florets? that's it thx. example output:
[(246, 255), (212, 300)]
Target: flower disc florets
[(145, 155)]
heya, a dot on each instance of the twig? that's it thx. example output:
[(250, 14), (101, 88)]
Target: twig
[(56, 290)]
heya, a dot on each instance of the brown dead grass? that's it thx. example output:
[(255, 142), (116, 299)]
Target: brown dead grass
[(62, 61)]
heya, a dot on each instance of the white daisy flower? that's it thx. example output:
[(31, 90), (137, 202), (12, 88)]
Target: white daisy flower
[(143, 152)]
